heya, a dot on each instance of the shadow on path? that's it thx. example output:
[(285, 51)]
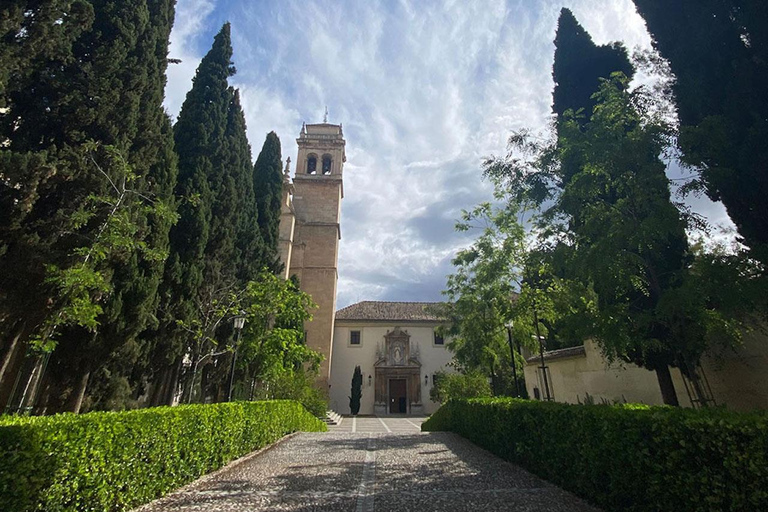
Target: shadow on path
[(365, 472)]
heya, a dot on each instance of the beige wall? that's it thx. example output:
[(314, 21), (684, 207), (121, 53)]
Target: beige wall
[(738, 379), (433, 358)]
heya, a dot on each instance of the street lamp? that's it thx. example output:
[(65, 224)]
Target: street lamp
[(509, 326), (548, 396), (239, 322)]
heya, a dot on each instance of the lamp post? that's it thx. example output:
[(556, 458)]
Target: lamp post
[(509, 326), (239, 322), (547, 396)]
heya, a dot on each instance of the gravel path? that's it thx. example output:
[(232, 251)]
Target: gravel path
[(371, 464)]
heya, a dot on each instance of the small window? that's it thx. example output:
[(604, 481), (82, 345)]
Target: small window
[(311, 164), (439, 340), (354, 337), (327, 164)]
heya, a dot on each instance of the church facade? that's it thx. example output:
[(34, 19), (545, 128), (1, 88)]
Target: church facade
[(394, 343), (398, 349)]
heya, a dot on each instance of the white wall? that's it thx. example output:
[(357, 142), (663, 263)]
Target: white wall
[(345, 357)]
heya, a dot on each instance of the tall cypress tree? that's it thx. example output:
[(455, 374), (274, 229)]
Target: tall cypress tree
[(107, 88), (580, 64), (578, 68), (32, 45), (202, 188), (268, 185), (718, 52), (250, 245)]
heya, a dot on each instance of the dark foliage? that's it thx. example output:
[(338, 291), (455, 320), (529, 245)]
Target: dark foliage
[(357, 391), (580, 64), (268, 185), (78, 72), (627, 457), (718, 52)]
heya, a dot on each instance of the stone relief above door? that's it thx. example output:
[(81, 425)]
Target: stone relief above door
[(397, 360)]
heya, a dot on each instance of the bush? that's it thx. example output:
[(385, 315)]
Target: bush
[(356, 391), (299, 386), (119, 460), (456, 386), (625, 457)]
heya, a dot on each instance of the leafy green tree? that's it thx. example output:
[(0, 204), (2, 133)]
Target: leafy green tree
[(615, 230), (718, 53), (456, 386), (268, 184), (273, 339), (501, 278), (628, 237), (356, 391), (481, 292)]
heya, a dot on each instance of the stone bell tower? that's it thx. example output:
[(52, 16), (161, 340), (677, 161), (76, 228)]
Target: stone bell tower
[(310, 231)]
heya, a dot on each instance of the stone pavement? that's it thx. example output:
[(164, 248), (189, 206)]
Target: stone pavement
[(367, 464)]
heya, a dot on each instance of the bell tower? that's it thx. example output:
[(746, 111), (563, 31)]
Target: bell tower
[(314, 213)]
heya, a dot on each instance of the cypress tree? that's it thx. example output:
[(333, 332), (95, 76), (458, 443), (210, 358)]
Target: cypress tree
[(268, 185), (578, 68), (718, 52), (356, 391), (250, 245), (580, 64), (202, 188), (108, 88)]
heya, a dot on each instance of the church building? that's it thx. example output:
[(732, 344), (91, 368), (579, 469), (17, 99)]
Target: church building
[(394, 343)]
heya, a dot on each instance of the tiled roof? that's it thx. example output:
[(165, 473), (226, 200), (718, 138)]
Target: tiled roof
[(392, 311), (562, 353)]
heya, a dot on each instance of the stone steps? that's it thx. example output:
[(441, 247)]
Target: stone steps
[(332, 418)]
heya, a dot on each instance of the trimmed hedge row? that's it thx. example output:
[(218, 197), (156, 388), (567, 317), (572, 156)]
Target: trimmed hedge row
[(119, 460), (627, 458)]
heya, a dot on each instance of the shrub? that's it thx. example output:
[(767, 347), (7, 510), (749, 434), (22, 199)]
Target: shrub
[(356, 391), (297, 385), (625, 457), (455, 386), (118, 460)]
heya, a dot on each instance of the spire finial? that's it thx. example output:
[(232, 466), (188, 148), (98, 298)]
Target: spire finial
[(325, 119)]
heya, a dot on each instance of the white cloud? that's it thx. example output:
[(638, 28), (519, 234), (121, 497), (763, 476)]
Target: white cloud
[(424, 90), (190, 19)]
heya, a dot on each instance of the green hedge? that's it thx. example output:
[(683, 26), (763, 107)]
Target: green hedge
[(627, 458), (118, 460)]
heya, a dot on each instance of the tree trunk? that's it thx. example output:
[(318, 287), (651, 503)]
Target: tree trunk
[(158, 387), (172, 385), (11, 351), (79, 392), (28, 395), (11, 366), (667, 387)]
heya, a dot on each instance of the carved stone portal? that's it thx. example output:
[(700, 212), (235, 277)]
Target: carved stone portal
[(398, 375)]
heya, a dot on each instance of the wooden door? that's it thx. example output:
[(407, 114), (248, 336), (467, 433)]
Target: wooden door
[(397, 397)]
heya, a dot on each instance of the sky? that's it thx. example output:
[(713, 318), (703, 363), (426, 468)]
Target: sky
[(425, 90)]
